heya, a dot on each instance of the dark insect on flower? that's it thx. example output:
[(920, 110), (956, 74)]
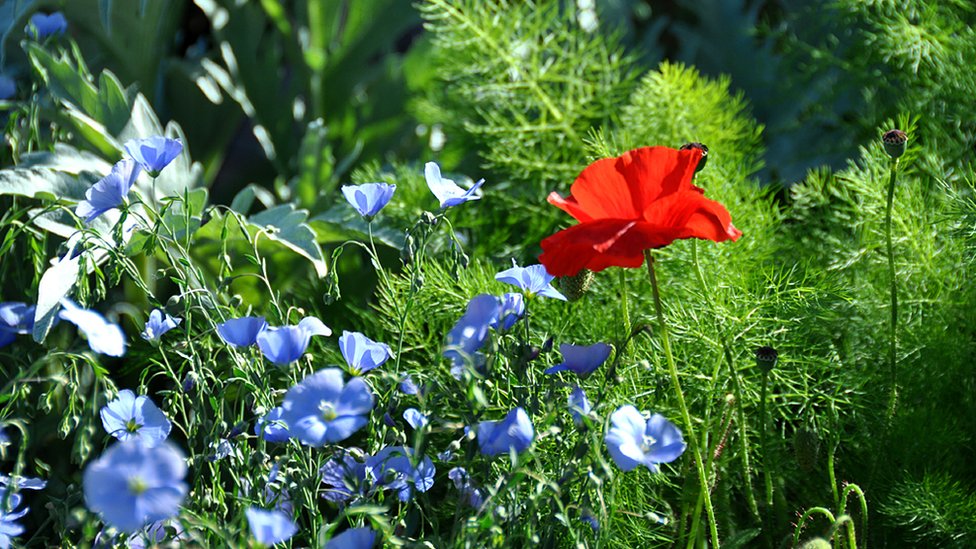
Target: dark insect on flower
[(698, 147)]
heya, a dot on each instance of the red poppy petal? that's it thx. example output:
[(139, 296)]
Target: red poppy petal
[(570, 206), (656, 172), (601, 244), (603, 193)]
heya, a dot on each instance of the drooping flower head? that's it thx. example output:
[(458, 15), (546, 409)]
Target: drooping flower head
[(462, 481), (287, 344), (43, 25), (640, 200), (103, 337), (241, 332), (633, 440), (369, 198), (470, 332), (131, 416), (513, 432), (110, 191), (511, 309), (533, 280), (158, 324), (133, 484), (579, 406), (272, 427), (581, 359), (344, 477), (408, 386), (448, 192), (322, 409), (353, 538), (392, 468), (15, 318), (362, 353), (153, 153), (269, 527)]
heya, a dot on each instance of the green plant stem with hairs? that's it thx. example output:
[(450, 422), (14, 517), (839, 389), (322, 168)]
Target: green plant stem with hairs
[(892, 331), (767, 476), (736, 391), (685, 415)]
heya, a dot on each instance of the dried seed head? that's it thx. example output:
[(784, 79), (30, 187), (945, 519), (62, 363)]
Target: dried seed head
[(766, 358), (894, 142)]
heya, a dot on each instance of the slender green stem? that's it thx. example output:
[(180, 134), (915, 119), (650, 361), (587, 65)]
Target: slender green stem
[(763, 420), (892, 337), (624, 305), (685, 415), (736, 390)]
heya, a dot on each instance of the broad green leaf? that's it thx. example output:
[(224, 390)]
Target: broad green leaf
[(287, 225), (342, 222), (45, 183), (65, 158), (54, 286), (245, 198)]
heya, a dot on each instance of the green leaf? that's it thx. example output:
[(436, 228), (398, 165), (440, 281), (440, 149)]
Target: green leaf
[(65, 158), (287, 225), (341, 222), (55, 285), (45, 183), (245, 198)]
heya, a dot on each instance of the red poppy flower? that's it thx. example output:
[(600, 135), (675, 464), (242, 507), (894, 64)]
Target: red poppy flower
[(640, 200)]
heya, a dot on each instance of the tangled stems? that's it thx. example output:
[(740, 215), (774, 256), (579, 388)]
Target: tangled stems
[(892, 345), (673, 371)]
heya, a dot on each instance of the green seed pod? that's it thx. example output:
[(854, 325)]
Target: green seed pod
[(701, 147), (806, 449), (894, 142), (816, 543), (766, 358), (573, 287)]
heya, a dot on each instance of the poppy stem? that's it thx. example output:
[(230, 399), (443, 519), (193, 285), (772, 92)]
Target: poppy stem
[(686, 417), (892, 335), (624, 305)]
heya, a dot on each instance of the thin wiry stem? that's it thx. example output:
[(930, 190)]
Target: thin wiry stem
[(892, 329)]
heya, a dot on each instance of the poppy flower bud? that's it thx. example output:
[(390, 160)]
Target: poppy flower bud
[(701, 147), (894, 142), (406, 253), (816, 543), (766, 358), (806, 449), (573, 287)]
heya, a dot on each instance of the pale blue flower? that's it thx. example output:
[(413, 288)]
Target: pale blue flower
[(579, 405), (582, 360), (287, 344), (129, 417), (407, 385), (103, 337), (462, 481), (158, 324), (43, 25), (241, 332), (270, 527), (322, 409), (368, 199), (133, 484), (393, 468), (415, 418), (513, 432), (7, 87), (354, 538), (153, 153), (533, 280), (447, 191), (470, 332), (512, 307), (272, 427), (362, 353), (220, 449), (9, 528), (109, 192), (16, 483), (633, 440), (15, 318), (344, 477)]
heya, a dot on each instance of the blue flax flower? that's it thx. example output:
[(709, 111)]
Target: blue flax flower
[(511, 309), (133, 484), (241, 332), (470, 332), (579, 405), (158, 324), (462, 481), (393, 468), (353, 538), (272, 427), (103, 337), (344, 477), (129, 417), (447, 191), (415, 418), (43, 25), (8, 517), (153, 153), (110, 191), (533, 280), (633, 440), (7, 87), (287, 344), (270, 527), (22, 483), (408, 386), (15, 318), (322, 409), (368, 199), (582, 360), (362, 353), (513, 432)]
